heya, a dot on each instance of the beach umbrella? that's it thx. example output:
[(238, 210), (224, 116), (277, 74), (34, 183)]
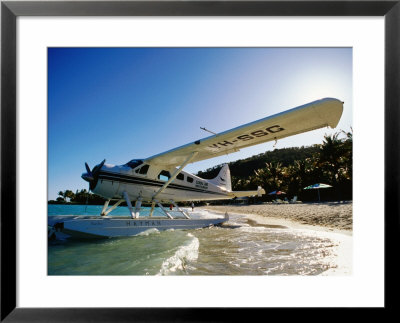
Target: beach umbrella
[(276, 193), (317, 187)]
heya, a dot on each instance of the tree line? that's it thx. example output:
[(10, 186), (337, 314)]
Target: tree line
[(292, 169), (79, 197)]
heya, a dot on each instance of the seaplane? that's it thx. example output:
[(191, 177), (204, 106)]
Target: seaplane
[(160, 179)]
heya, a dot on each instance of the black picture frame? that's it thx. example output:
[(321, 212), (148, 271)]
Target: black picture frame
[(10, 10)]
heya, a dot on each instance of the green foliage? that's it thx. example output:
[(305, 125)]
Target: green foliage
[(292, 169), (244, 168), (79, 197)]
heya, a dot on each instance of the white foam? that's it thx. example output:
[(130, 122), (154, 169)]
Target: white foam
[(189, 252), (149, 231), (343, 255), (202, 214)]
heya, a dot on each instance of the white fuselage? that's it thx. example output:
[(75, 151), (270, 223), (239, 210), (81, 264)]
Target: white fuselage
[(113, 181)]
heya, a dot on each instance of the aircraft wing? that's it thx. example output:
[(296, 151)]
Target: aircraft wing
[(314, 115)]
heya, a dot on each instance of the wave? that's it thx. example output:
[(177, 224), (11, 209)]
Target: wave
[(185, 253), (149, 231)]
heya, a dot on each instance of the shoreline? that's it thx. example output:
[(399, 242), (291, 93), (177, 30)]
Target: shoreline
[(331, 220), (329, 216)]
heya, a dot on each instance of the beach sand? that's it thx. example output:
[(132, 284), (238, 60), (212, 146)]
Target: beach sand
[(328, 216)]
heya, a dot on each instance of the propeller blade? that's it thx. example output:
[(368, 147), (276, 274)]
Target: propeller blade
[(102, 163), (96, 169), (88, 176), (88, 168)]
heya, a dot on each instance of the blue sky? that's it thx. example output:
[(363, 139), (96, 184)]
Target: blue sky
[(125, 103)]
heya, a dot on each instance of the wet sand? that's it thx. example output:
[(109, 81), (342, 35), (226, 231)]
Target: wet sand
[(329, 216)]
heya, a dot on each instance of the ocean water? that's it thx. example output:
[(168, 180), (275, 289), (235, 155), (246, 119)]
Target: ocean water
[(239, 247)]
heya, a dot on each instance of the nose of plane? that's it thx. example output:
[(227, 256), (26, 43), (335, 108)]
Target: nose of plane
[(92, 176), (88, 176)]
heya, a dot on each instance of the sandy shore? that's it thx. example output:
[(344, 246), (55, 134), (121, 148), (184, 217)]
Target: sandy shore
[(330, 216)]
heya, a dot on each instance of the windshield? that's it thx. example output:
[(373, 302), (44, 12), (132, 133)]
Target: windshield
[(134, 163)]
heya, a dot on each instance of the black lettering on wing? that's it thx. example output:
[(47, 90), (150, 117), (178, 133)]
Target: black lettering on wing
[(245, 137), (214, 146), (259, 133), (274, 129), (225, 143)]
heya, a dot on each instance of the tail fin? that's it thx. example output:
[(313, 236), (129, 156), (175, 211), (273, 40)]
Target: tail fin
[(223, 178)]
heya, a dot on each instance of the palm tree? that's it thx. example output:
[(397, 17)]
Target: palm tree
[(270, 177), (331, 149), (302, 173), (68, 194), (332, 158), (82, 196), (348, 154), (61, 194), (238, 184)]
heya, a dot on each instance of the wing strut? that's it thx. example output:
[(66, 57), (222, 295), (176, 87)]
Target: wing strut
[(178, 170), (106, 211)]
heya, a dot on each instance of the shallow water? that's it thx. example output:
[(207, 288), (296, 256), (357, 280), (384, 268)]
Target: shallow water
[(239, 247)]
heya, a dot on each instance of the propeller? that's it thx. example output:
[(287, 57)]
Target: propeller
[(92, 176), (88, 176)]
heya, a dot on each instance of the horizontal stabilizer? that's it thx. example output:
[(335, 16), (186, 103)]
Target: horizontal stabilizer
[(260, 191)]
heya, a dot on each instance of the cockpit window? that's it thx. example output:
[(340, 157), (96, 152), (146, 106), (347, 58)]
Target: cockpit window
[(142, 170), (134, 163)]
